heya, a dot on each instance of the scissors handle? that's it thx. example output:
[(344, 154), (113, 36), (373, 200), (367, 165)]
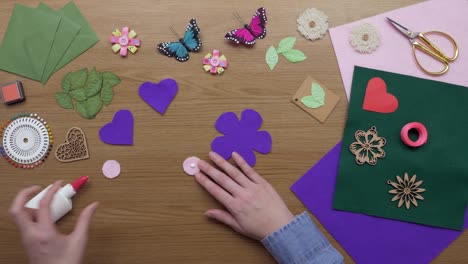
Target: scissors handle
[(432, 50)]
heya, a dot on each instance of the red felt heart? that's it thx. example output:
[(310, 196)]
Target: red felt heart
[(377, 99)]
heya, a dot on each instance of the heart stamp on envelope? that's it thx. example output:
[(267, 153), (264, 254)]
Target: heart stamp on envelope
[(377, 99), (75, 147), (159, 95), (120, 130)]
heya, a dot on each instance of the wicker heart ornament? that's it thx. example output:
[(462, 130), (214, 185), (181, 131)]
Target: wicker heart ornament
[(75, 147)]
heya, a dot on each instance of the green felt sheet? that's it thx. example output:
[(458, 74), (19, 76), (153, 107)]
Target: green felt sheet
[(28, 41), (85, 39), (66, 33), (442, 163)]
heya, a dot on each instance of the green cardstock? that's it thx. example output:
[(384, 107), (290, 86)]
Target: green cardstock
[(442, 163), (85, 39), (66, 33), (28, 41)]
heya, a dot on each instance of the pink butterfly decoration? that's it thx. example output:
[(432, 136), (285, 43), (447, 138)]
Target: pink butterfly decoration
[(249, 33)]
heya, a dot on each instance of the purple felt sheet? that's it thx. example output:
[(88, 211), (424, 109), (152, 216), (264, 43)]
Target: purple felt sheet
[(368, 239)]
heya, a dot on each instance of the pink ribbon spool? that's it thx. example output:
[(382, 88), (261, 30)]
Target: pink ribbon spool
[(422, 131)]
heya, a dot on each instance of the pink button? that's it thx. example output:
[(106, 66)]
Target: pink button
[(111, 169), (190, 165), (123, 41), (215, 61)]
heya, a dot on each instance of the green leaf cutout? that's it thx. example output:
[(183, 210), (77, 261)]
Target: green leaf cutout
[(90, 91), (316, 99), (93, 106), (286, 44), (94, 83), (271, 57), (67, 82), (110, 79), (64, 100), (78, 78), (81, 109), (107, 93), (294, 55), (78, 94)]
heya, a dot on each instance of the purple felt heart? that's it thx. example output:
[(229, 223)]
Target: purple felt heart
[(120, 130), (159, 95)]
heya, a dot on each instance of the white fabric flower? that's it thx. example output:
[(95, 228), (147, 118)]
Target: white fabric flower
[(365, 38), (312, 24)]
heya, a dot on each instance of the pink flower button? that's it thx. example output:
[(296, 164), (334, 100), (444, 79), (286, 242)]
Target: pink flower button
[(190, 165)]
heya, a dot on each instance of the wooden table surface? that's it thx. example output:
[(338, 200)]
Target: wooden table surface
[(153, 213)]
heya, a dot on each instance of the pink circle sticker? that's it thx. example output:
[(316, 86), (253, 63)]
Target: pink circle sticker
[(190, 165), (111, 169)]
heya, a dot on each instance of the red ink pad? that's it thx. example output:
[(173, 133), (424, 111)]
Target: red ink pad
[(12, 92)]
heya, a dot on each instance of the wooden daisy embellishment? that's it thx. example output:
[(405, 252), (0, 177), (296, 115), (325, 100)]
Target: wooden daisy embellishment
[(124, 40), (368, 146), (406, 190), (312, 24), (364, 38)]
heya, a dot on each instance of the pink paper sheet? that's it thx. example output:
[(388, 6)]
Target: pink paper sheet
[(395, 51)]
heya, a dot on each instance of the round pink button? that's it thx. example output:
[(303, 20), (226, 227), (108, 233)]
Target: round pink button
[(123, 41), (111, 169), (190, 165)]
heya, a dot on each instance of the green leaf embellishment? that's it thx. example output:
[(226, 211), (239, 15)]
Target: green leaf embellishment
[(94, 83), (64, 100), (286, 44), (78, 94), (294, 55), (110, 79), (317, 99), (81, 109), (271, 57), (78, 78), (90, 91), (107, 93), (67, 82), (93, 106)]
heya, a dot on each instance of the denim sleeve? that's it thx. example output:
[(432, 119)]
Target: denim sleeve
[(301, 242)]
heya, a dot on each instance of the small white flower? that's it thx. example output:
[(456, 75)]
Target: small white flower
[(312, 24), (365, 38)]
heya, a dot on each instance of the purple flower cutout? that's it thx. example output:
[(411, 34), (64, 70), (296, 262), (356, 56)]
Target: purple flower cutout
[(241, 136)]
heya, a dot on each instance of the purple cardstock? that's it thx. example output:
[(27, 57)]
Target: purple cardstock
[(241, 136), (159, 95), (368, 239), (120, 130)]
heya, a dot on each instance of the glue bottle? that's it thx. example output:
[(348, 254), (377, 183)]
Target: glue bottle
[(62, 203)]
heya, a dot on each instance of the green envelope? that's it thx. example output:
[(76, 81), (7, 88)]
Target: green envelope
[(85, 39), (442, 163), (66, 33), (28, 41)]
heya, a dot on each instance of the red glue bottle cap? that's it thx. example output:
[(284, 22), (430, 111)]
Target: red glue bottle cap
[(79, 182)]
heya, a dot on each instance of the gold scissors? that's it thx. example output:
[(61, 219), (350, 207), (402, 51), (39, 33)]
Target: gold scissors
[(426, 46)]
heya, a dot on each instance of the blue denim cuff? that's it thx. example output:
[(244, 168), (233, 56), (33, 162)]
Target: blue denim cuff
[(301, 242)]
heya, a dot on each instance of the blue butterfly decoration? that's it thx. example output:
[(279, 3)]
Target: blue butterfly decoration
[(190, 42)]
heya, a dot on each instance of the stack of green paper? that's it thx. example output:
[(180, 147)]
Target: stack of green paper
[(40, 41)]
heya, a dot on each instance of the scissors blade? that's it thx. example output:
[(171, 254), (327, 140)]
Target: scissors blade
[(408, 33)]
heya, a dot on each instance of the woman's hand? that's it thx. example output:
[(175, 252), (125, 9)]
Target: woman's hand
[(254, 208), (41, 239)]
